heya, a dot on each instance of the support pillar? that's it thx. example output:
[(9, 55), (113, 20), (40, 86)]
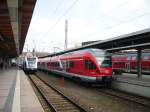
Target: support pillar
[(139, 58)]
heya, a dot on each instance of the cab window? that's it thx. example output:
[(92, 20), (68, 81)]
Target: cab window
[(89, 65)]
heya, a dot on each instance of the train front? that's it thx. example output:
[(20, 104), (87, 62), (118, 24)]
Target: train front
[(31, 64), (103, 59)]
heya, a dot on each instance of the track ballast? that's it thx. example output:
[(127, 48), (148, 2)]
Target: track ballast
[(56, 100), (126, 96)]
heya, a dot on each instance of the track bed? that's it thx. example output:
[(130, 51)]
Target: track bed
[(56, 100)]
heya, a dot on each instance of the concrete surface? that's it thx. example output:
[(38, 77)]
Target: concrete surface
[(131, 83), (16, 93)]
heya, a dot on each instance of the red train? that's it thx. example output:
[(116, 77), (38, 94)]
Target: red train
[(89, 65), (127, 62)]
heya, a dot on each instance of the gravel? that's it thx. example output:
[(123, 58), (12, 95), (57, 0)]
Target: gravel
[(90, 98)]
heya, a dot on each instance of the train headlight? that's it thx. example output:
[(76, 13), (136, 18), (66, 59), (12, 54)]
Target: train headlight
[(107, 71)]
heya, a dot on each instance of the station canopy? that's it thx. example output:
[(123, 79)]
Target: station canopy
[(15, 17)]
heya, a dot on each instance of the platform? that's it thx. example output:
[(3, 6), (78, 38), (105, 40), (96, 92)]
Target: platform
[(16, 93), (131, 83)]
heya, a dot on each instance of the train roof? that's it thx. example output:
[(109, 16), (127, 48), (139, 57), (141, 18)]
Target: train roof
[(89, 50), (84, 52), (44, 59)]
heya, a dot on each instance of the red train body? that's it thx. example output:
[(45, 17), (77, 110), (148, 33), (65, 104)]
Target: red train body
[(127, 62), (89, 65)]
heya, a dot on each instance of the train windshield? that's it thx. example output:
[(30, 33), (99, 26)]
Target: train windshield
[(106, 62), (31, 60), (103, 57)]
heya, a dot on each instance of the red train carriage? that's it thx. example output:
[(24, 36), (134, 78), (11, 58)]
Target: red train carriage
[(42, 63), (127, 62), (89, 65), (119, 63)]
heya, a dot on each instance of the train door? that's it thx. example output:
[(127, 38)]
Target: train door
[(127, 67), (64, 65)]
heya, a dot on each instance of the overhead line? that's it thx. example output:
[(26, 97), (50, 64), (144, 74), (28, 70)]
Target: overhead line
[(72, 5), (105, 14), (114, 25), (56, 9)]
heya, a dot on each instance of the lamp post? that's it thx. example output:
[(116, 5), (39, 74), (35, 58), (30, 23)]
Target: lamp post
[(66, 34)]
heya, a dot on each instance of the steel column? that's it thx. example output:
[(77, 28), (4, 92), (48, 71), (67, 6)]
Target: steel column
[(139, 57)]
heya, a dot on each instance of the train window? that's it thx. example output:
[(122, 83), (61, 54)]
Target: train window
[(68, 64), (146, 57), (89, 65), (107, 62), (133, 57), (64, 65), (55, 64), (52, 64), (128, 57), (144, 67), (71, 64)]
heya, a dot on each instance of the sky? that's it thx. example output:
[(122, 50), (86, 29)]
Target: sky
[(88, 20)]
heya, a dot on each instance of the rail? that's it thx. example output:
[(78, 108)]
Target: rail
[(57, 100), (126, 96)]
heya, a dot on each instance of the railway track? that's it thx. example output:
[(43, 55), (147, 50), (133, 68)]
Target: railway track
[(41, 98), (57, 101), (125, 96)]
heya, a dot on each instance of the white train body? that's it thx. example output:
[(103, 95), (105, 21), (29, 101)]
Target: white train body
[(30, 64)]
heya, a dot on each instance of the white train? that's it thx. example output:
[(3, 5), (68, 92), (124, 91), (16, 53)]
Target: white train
[(30, 63)]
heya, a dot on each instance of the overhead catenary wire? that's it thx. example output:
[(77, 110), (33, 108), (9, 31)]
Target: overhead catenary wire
[(112, 9), (108, 26), (61, 16), (71, 6), (114, 25), (38, 6), (68, 9), (56, 9)]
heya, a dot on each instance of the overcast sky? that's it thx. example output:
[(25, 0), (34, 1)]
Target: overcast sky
[(88, 20)]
